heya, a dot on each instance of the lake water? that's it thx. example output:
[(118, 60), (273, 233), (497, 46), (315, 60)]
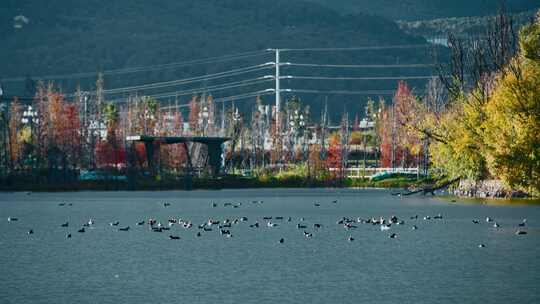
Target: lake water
[(440, 262)]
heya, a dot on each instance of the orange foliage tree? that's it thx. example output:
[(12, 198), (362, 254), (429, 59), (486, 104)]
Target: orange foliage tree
[(334, 158)]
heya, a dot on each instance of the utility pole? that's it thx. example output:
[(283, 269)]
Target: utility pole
[(393, 136), (278, 97)]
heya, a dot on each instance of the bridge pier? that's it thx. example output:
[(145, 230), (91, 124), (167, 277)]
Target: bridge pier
[(214, 145)]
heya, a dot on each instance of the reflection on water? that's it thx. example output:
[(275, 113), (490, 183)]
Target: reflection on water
[(490, 201)]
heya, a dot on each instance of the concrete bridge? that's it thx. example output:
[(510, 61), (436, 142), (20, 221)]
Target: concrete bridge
[(214, 144)]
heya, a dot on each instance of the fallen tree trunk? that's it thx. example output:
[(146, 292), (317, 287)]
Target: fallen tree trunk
[(429, 188)]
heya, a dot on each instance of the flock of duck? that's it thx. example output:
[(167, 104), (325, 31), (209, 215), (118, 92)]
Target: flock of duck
[(225, 226)]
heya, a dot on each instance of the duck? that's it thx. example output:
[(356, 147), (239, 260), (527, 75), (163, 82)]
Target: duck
[(414, 227), (349, 226), (385, 227), (317, 204), (212, 222), (81, 230), (199, 234), (521, 232), (281, 241), (166, 204), (301, 226), (61, 204), (66, 224), (270, 224), (174, 237), (12, 219), (350, 238), (124, 228), (68, 236), (414, 217), (317, 226), (256, 225), (438, 217), (114, 223), (30, 231), (495, 225), (393, 236), (140, 223), (488, 219), (481, 245), (522, 224), (307, 234), (476, 221)]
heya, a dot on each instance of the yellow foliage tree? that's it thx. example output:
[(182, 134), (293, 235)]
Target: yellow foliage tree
[(512, 126)]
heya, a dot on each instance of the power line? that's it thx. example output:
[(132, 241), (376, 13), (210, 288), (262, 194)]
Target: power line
[(220, 87), (158, 67), (344, 92), (228, 98), (156, 85), (164, 84), (360, 48), (364, 66), (358, 78)]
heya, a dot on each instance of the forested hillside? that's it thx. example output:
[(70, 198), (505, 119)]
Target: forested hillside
[(427, 9), (72, 36)]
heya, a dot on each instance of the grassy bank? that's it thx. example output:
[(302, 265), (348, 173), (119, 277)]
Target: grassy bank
[(226, 182)]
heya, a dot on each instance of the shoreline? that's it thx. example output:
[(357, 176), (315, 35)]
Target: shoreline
[(229, 182), (239, 183)]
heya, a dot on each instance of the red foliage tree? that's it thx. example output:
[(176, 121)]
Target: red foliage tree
[(395, 138), (71, 142), (108, 155), (334, 156)]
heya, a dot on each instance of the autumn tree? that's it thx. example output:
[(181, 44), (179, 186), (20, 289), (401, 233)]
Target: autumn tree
[(511, 129), (334, 158)]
